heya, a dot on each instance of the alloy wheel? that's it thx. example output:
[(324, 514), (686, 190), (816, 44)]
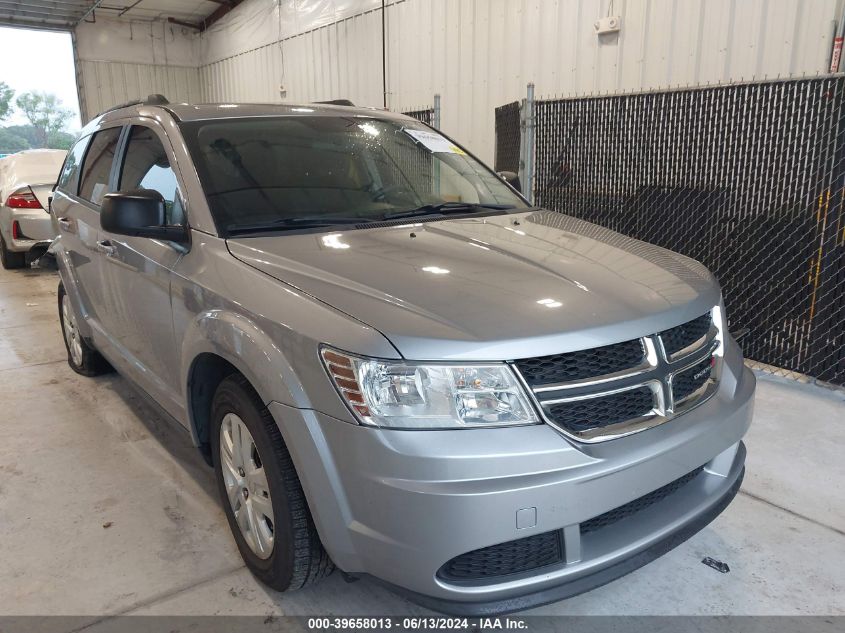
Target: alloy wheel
[(246, 485), (71, 332)]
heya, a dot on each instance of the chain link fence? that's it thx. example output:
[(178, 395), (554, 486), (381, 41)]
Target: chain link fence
[(426, 115), (508, 138), (747, 179), (412, 166)]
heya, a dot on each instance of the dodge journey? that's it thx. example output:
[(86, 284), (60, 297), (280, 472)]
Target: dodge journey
[(396, 366)]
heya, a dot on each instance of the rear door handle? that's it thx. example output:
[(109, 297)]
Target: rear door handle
[(65, 224), (107, 248)]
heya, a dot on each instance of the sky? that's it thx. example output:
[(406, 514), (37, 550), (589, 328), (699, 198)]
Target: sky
[(39, 60)]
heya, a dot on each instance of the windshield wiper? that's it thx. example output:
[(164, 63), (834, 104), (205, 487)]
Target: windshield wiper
[(283, 224), (445, 208)]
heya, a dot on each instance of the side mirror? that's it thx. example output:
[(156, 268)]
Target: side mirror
[(512, 179), (138, 213)]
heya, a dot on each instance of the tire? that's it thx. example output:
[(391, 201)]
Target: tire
[(9, 259), (279, 541), (82, 358)]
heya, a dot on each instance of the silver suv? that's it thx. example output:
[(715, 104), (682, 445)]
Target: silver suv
[(395, 365)]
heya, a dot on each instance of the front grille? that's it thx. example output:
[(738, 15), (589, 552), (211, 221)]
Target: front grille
[(513, 557), (691, 380), (637, 505), (677, 338), (587, 363), (591, 413), (605, 392)]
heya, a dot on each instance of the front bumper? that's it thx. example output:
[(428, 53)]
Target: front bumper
[(588, 581), (398, 505)]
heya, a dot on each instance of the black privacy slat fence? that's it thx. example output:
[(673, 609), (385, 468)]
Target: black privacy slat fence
[(508, 137), (747, 179), (426, 115), (414, 164)]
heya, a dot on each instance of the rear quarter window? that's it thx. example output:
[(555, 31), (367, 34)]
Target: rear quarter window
[(96, 169), (69, 176)]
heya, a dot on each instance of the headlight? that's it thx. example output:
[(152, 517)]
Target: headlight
[(401, 395)]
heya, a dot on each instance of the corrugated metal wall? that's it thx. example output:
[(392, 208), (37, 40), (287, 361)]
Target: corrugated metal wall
[(479, 54), (108, 83), (341, 59), (121, 60)]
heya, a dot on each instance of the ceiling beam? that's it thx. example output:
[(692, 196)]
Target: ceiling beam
[(45, 16), (31, 23), (189, 25), (37, 7), (129, 8), (79, 5), (90, 10), (68, 13), (75, 4), (219, 12)]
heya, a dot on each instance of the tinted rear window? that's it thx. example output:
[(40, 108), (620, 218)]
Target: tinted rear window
[(69, 176), (98, 163)]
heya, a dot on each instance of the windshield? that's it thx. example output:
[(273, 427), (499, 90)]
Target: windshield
[(289, 172)]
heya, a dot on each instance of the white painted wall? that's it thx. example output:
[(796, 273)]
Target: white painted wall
[(118, 60), (477, 54), (317, 49)]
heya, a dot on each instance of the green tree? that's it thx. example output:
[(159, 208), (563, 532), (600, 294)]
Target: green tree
[(26, 132), (11, 142), (44, 112), (6, 94), (60, 140)]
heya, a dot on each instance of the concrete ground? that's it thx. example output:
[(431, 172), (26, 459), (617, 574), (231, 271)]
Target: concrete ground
[(106, 509)]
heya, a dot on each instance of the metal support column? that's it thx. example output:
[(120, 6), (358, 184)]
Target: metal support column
[(527, 175)]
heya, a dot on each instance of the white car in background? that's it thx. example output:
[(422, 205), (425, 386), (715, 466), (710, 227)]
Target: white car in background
[(26, 183)]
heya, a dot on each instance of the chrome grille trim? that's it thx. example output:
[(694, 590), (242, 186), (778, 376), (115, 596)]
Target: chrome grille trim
[(681, 333), (588, 357), (649, 365), (658, 411), (689, 349), (706, 390), (657, 373), (653, 384)]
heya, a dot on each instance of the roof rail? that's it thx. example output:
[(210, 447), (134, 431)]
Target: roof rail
[(153, 99), (156, 99), (337, 102)]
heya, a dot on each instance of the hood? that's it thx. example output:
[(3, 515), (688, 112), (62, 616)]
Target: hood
[(490, 288)]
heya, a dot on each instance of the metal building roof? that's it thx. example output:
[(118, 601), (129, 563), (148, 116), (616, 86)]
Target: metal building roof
[(65, 14)]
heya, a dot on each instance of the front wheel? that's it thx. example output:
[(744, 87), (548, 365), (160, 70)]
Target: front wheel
[(261, 492)]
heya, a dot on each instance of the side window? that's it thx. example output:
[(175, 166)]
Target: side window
[(69, 177), (146, 166), (97, 166)]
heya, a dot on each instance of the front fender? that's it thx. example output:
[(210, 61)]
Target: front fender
[(241, 342)]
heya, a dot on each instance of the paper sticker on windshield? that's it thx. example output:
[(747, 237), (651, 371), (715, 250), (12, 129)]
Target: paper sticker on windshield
[(434, 142)]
